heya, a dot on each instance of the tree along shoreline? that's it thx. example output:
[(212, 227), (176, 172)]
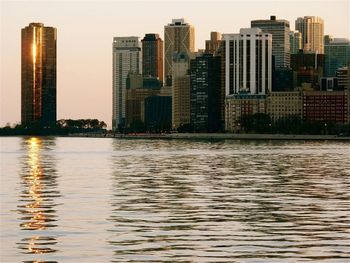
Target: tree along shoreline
[(62, 127), (249, 124)]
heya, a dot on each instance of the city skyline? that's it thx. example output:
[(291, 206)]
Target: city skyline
[(84, 64)]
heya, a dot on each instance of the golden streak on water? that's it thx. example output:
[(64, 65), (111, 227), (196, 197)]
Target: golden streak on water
[(35, 208), (35, 170), (31, 246), (38, 217)]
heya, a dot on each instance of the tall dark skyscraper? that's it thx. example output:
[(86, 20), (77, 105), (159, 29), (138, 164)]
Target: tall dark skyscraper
[(205, 93), (152, 56), (38, 75)]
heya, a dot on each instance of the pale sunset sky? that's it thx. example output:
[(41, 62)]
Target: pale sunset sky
[(85, 31)]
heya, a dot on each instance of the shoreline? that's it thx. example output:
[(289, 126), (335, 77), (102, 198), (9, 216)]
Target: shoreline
[(198, 136), (215, 136)]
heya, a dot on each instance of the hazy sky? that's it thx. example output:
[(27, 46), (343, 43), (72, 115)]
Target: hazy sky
[(85, 30)]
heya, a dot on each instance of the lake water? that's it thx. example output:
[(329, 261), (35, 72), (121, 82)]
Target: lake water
[(111, 200)]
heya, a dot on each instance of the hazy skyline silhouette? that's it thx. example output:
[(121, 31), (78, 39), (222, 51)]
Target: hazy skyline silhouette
[(85, 31)]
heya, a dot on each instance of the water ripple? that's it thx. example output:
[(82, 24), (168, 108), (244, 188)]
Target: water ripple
[(210, 202), (110, 200), (37, 199)]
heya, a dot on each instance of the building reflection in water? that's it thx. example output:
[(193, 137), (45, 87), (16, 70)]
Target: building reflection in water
[(150, 208), (190, 201), (37, 198)]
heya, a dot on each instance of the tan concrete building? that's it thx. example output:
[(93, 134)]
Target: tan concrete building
[(311, 29), (284, 104), (178, 37), (239, 105), (212, 45), (180, 91)]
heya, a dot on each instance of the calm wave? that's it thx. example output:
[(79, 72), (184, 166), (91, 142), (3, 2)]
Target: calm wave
[(110, 200)]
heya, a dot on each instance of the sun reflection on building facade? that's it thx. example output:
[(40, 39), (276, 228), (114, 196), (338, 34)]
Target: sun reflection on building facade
[(38, 75)]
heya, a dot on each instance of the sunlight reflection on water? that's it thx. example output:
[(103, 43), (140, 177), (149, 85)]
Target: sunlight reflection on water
[(100, 200)]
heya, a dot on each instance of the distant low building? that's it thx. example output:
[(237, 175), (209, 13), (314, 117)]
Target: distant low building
[(325, 106), (238, 106), (329, 84), (343, 77), (284, 105)]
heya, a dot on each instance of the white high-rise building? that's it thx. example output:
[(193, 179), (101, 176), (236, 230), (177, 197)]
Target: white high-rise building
[(126, 59), (248, 62), (311, 28)]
